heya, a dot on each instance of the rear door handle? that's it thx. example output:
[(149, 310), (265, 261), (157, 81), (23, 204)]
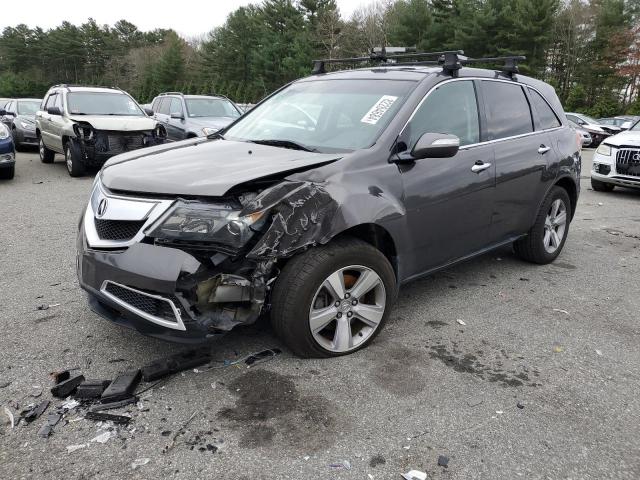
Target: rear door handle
[(480, 166), (543, 149)]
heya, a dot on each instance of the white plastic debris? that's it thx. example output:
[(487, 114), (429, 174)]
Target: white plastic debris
[(559, 310), (499, 412), (70, 404), (600, 204), (369, 476), (306, 457), (10, 415), (73, 448), (461, 322), (344, 464), (599, 352), (414, 475), (139, 462), (104, 437)]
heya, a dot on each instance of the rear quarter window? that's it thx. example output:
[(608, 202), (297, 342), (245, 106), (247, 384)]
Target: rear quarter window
[(546, 118), (508, 111)]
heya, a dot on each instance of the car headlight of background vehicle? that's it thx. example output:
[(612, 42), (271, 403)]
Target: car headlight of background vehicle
[(604, 150), (209, 223), (209, 131), (27, 125), (4, 132)]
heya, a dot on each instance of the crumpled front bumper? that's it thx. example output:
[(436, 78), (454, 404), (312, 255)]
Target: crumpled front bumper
[(141, 268)]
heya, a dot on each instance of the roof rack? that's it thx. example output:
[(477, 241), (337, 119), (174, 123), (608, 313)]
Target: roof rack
[(171, 93), (451, 61), (73, 85)]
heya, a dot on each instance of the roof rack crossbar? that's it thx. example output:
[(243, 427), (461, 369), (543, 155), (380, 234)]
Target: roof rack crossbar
[(319, 65), (451, 61)]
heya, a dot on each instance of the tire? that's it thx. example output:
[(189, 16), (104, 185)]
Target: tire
[(73, 159), (46, 155), (303, 280), (7, 173), (533, 248), (599, 186)]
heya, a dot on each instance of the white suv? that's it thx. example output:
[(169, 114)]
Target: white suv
[(617, 161)]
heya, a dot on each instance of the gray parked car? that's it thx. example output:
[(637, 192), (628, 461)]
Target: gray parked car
[(320, 202), (189, 116), (19, 116)]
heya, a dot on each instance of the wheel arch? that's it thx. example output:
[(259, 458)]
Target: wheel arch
[(570, 186)]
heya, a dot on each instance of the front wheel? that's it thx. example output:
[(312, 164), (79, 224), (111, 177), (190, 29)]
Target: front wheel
[(546, 238), (72, 158), (333, 300)]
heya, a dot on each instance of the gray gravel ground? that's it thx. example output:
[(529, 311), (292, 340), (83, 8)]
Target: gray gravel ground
[(560, 339)]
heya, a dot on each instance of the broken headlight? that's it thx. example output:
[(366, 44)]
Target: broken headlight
[(83, 131), (209, 223)]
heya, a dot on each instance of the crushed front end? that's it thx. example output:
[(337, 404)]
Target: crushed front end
[(191, 269), (98, 146)]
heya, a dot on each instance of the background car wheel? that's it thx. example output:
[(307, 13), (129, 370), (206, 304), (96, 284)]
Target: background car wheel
[(546, 238), (46, 155), (7, 173), (73, 159), (599, 186), (333, 300)]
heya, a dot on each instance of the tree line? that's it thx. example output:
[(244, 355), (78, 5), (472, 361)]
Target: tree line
[(588, 49)]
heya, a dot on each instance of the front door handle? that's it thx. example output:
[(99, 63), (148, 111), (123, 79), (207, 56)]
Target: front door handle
[(543, 149), (480, 166)]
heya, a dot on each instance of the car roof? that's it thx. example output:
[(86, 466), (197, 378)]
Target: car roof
[(28, 99), (79, 88)]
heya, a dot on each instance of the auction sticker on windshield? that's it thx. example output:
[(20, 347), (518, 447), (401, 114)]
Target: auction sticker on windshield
[(379, 109)]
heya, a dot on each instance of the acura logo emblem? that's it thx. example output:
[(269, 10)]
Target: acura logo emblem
[(102, 208)]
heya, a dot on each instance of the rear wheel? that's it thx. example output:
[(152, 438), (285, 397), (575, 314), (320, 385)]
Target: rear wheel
[(73, 159), (546, 238), (46, 155), (333, 300), (599, 186)]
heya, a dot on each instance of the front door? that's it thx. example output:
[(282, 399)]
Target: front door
[(448, 200)]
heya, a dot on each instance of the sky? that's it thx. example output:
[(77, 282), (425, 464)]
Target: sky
[(190, 18)]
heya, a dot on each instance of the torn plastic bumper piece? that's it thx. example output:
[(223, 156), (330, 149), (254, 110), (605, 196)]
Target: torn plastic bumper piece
[(67, 387), (175, 363)]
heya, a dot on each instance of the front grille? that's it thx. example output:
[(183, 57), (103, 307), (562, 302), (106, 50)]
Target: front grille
[(151, 305), (628, 162), (124, 143), (121, 230)]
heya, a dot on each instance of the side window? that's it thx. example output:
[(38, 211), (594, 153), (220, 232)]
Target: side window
[(11, 107), (176, 106), (154, 104), (546, 117), (50, 101), (58, 102), (508, 111), (450, 108), (165, 102)]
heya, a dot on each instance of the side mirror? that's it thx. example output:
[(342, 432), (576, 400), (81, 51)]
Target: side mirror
[(436, 145), (177, 115), (149, 112), (54, 111)]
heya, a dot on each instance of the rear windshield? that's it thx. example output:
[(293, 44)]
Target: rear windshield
[(28, 107), (325, 115), (102, 103), (211, 107)]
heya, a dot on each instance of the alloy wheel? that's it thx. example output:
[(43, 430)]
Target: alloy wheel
[(41, 149), (67, 159), (555, 226), (347, 308)]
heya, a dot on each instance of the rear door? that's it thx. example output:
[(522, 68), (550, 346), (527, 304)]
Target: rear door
[(521, 157), (448, 200), (44, 120)]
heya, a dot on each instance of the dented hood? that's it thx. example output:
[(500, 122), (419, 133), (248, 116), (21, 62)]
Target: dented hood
[(124, 123), (630, 138), (203, 167)]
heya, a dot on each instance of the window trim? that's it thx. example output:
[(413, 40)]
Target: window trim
[(534, 111), (483, 117)]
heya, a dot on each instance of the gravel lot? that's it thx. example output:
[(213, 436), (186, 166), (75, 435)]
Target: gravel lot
[(562, 340)]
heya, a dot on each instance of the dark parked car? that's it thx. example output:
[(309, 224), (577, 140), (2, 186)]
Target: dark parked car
[(398, 171), (20, 118), (7, 154), (188, 116)]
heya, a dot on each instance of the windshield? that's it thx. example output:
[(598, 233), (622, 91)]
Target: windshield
[(325, 114), (211, 107), (28, 107), (101, 103), (588, 119), (636, 127)]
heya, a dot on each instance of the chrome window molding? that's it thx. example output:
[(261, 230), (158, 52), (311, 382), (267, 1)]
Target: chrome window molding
[(177, 325)]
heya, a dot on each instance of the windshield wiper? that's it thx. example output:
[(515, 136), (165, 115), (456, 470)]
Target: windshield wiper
[(284, 144)]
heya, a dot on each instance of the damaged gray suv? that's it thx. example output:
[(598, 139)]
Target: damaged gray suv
[(321, 201)]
